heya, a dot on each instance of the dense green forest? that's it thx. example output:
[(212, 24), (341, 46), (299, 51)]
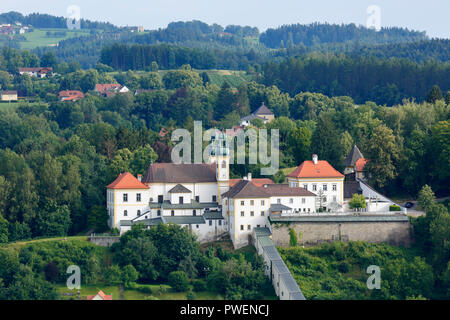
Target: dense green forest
[(167, 254)]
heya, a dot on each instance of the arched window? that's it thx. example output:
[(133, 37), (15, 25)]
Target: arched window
[(139, 213), (125, 213)]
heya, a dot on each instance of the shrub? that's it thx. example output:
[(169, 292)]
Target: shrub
[(343, 267), (293, 238), (199, 285), (191, 295), (394, 208), (179, 281)]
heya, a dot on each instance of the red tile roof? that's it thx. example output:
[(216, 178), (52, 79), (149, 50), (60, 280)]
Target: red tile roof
[(127, 181), (105, 88), (71, 95), (101, 294), (259, 182), (360, 164), (320, 170)]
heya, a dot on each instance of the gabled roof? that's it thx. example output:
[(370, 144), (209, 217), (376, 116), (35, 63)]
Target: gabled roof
[(101, 294), (180, 173), (104, 88), (320, 170), (284, 190), (353, 156), (179, 189), (127, 181), (263, 110), (259, 182), (246, 189)]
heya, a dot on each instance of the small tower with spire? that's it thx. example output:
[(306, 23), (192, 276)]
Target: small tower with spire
[(220, 155)]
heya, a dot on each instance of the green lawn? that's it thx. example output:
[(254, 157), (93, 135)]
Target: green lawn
[(20, 244), (136, 295), (8, 105), (38, 37)]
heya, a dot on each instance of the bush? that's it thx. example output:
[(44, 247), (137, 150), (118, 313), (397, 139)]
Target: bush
[(292, 238), (191, 296), (394, 208), (199, 285), (343, 267), (179, 281)]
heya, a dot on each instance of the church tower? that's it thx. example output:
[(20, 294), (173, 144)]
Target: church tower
[(220, 155)]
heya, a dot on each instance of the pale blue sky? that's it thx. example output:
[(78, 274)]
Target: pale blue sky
[(430, 16)]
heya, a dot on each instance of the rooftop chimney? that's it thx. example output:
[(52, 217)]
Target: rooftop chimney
[(139, 176), (315, 158)]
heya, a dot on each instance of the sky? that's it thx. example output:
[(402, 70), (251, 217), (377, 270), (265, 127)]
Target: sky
[(430, 16)]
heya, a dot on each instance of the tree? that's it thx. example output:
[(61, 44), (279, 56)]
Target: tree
[(426, 198), (129, 274), (382, 154), (52, 221), (49, 60), (98, 219), (358, 201), (434, 94), (4, 230), (51, 272), (113, 275), (293, 238), (179, 281)]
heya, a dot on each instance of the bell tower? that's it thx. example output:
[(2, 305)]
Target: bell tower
[(220, 155)]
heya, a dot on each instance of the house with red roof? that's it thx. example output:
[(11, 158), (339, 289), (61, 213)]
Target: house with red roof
[(110, 89), (319, 177), (70, 95), (100, 296)]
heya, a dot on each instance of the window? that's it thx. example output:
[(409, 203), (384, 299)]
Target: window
[(325, 187), (252, 202), (262, 213), (160, 199), (159, 213), (242, 227), (172, 213), (262, 202), (334, 187), (226, 202), (303, 200), (214, 198), (325, 199), (194, 212), (242, 203), (258, 225), (291, 200), (224, 164), (139, 213), (220, 222), (242, 213), (305, 186), (138, 197), (314, 187), (279, 201), (210, 222), (181, 200), (197, 198), (252, 213), (125, 213), (249, 227), (197, 226), (334, 198), (125, 197)]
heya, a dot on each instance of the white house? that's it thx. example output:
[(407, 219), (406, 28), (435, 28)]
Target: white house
[(319, 177), (247, 206), (263, 113)]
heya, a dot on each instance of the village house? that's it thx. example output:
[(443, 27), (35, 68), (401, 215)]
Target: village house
[(263, 113), (8, 95), (70, 95), (110, 89), (99, 296), (36, 72)]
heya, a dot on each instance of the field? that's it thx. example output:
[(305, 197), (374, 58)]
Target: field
[(234, 78), (38, 37), (169, 294)]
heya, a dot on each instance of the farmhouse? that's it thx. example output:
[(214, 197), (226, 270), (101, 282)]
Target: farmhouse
[(70, 95), (263, 113), (8, 95), (36, 72), (110, 89)]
